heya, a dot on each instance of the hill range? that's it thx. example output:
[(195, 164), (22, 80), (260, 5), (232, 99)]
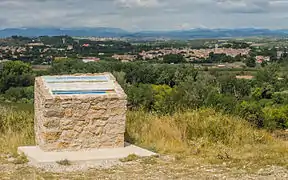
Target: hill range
[(119, 33)]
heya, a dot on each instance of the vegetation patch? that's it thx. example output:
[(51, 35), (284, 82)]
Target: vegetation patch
[(130, 157), (204, 134), (149, 160), (20, 159), (207, 135), (64, 162), (16, 129)]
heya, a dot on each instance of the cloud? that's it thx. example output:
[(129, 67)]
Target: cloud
[(144, 14), (252, 6), (138, 3), (244, 6)]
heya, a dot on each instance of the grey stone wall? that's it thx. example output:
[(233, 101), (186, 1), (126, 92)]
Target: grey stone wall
[(77, 122)]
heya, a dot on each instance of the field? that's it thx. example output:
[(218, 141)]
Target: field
[(197, 144)]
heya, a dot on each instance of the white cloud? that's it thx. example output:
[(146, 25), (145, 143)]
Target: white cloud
[(144, 14)]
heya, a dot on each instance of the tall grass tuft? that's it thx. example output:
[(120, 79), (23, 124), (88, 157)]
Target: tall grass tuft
[(16, 129)]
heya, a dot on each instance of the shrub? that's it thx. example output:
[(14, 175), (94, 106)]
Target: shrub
[(16, 94), (140, 96), (252, 112), (276, 117), (280, 98), (162, 98)]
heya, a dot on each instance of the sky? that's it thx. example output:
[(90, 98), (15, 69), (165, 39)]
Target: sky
[(135, 15)]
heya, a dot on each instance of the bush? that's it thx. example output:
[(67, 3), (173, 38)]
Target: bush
[(252, 112), (140, 96), (276, 117), (221, 102), (192, 94), (280, 98), (20, 94), (162, 98)]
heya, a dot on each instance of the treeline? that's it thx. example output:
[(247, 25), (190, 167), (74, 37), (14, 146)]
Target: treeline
[(262, 101), (135, 73), (236, 45), (61, 46), (167, 88)]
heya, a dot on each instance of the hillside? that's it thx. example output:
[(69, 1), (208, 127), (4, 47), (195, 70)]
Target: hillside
[(197, 144)]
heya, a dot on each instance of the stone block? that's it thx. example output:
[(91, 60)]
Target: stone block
[(76, 112)]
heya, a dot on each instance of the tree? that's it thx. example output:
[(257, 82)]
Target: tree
[(174, 58), (238, 58), (264, 63), (15, 74), (268, 75), (161, 97), (251, 61)]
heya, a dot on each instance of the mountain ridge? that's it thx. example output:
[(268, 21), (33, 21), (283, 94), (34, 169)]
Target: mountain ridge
[(170, 34)]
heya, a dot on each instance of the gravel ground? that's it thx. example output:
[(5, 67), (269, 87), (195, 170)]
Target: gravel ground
[(148, 168), (85, 166)]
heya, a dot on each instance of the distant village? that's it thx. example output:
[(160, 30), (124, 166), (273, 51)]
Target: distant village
[(188, 53), (96, 49)]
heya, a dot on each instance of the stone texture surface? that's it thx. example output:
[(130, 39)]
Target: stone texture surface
[(78, 122)]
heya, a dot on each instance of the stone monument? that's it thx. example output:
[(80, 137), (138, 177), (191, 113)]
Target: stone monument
[(77, 112), (80, 118)]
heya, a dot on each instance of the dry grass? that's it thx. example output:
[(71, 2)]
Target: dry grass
[(208, 136), (198, 135), (16, 129)]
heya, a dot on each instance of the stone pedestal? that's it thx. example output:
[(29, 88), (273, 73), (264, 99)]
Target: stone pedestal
[(79, 112)]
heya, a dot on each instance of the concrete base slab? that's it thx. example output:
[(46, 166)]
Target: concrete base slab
[(36, 155)]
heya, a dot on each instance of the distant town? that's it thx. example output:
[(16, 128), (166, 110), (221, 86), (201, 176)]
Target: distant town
[(44, 50)]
